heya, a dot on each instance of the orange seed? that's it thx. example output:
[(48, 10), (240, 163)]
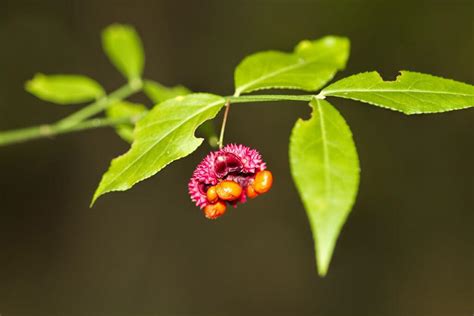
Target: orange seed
[(251, 193), (263, 181), (213, 211), (212, 194), (228, 190)]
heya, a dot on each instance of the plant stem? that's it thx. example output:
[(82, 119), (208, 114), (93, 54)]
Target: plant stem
[(269, 98), (224, 122), (101, 104), (43, 131), (236, 98), (77, 121)]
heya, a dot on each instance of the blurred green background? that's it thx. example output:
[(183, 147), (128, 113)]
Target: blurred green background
[(407, 248)]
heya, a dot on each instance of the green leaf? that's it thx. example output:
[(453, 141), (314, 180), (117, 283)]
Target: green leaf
[(164, 135), (124, 48), (410, 93), (159, 93), (125, 109), (309, 67), (325, 168), (64, 89)]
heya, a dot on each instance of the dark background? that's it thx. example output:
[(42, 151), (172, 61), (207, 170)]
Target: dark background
[(407, 248)]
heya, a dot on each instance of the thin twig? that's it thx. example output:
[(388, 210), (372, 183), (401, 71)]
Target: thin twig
[(269, 98), (224, 122), (101, 104), (77, 121), (47, 131)]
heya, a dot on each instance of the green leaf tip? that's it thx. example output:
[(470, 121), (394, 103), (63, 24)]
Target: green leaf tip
[(123, 46), (311, 65), (409, 93), (64, 89), (325, 168), (164, 135)]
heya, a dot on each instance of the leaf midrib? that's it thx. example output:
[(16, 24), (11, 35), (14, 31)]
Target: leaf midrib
[(329, 92), (324, 142)]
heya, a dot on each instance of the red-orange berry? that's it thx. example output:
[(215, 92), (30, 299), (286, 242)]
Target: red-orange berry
[(228, 190), (251, 193), (211, 195), (263, 181), (213, 211)]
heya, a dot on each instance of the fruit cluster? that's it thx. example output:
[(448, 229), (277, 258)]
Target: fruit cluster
[(228, 176)]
